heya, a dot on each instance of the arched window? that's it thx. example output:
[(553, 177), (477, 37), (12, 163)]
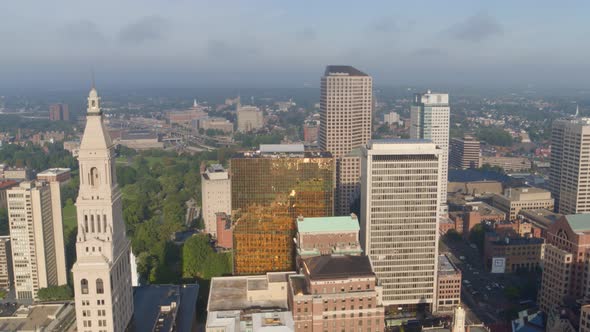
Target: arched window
[(84, 286), (99, 286), (94, 176)]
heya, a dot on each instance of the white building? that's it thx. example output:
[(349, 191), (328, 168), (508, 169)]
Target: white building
[(391, 118), (249, 118), (399, 225), (36, 236), (102, 273), (570, 155), (430, 120), (216, 195), (346, 105)]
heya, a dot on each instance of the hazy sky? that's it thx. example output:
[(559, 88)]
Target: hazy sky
[(288, 43)]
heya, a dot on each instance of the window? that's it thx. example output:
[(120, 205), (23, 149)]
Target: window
[(99, 286), (84, 286), (93, 176)]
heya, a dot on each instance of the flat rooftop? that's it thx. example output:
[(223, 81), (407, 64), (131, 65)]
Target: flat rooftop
[(328, 224), (541, 216), (445, 266), (231, 293), (29, 318), (579, 223), (54, 171), (337, 267), (484, 209), (282, 148)]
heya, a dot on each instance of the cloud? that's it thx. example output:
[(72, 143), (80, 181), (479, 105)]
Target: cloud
[(384, 25), (82, 31), (476, 28), (148, 28), (219, 49), (428, 52), (307, 34)]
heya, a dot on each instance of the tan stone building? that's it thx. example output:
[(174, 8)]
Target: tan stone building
[(102, 272), (555, 284), (346, 105), (448, 286), (250, 118), (36, 237), (61, 175), (516, 199), (514, 164), (336, 293)]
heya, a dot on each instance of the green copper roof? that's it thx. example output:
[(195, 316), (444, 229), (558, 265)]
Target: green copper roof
[(579, 222), (328, 224)]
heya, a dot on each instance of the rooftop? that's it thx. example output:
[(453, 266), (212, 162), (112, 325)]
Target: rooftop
[(445, 266), (7, 184), (337, 267), (328, 224), (579, 222), (282, 148), (31, 318), (138, 134), (231, 293), (335, 70), (543, 216), (54, 171), (520, 241)]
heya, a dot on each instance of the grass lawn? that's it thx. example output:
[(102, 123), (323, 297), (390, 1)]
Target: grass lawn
[(69, 219)]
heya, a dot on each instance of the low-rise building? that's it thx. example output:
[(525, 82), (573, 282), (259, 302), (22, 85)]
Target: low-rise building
[(540, 219), (224, 231), (61, 175), (220, 124), (328, 236), (515, 199), (391, 118), (448, 286), (140, 140), (513, 253), (37, 317), (16, 173), (249, 303), (336, 293), (514, 164), (250, 118)]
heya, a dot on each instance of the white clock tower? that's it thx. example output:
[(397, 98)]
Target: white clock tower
[(102, 274)]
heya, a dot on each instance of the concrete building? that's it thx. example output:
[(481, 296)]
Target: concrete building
[(220, 124), (336, 293), (36, 318), (328, 236), (250, 118), (216, 195), (310, 132), (430, 116), (140, 140), (568, 178), (249, 304), (555, 283), (102, 271), (525, 198), (509, 255), (5, 262), (346, 105), (400, 205), (17, 173), (59, 112), (448, 286), (568, 241), (4, 186), (36, 237), (464, 153), (508, 164), (585, 318), (61, 175), (391, 118), (540, 220)]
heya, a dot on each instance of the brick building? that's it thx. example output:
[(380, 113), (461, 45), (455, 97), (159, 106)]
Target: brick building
[(336, 293), (448, 289), (59, 112), (328, 236), (518, 253), (224, 230), (61, 175)]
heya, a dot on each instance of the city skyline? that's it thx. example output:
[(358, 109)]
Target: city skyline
[(264, 43)]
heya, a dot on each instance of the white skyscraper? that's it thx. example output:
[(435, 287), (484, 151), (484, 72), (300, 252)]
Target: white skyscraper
[(216, 196), (101, 274), (36, 236), (429, 117), (400, 206), (569, 176)]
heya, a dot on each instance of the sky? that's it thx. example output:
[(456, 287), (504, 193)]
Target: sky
[(184, 43)]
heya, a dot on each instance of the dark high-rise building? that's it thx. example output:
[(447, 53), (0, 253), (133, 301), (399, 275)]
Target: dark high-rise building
[(59, 112), (464, 153), (270, 188)]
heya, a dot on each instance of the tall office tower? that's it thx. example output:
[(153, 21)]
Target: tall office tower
[(249, 118), (270, 188), (102, 273), (216, 195), (464, 153), (569, 176), (430, 120), (59, 112), (36, 236), (346, 104), (399, 226)]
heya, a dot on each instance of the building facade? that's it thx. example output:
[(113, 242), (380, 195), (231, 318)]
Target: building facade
[(250, 118), (270, 188), (36, 237), (59, 112), (400, 207), (346, 105), (555, 282), (328, 236), (526, 198), (430, 116), (5, 262), (517, 254), (464, 153), (216, 195), (102, 271), (568, 177), (448, 286), (336, 293), (509, 164), (61, 175)]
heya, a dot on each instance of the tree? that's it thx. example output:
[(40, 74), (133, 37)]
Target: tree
[(199, 260), (495, 136), (55, 293), (477, 236)]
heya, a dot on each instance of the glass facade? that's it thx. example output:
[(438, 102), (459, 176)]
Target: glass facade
[(268, 193)]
